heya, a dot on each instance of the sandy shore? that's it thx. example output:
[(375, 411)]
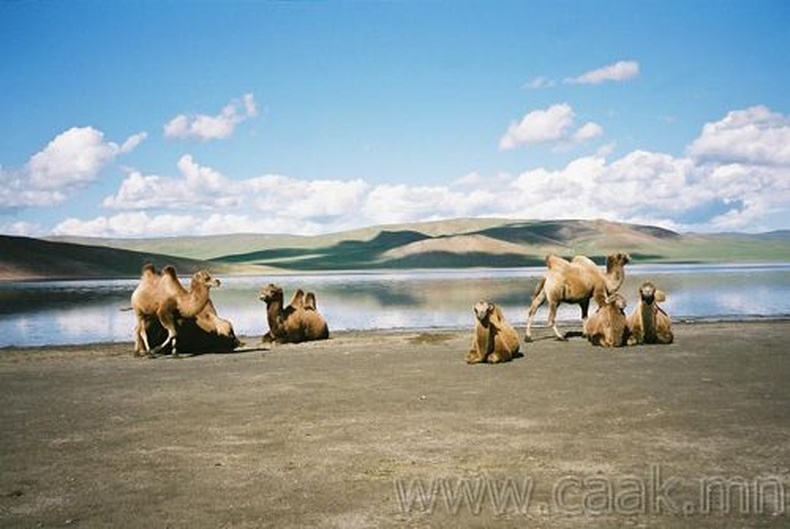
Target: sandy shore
[(394, 429)]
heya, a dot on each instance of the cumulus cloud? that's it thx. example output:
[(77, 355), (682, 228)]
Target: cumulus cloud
[(619, 71), (201, 187), (556, 124), (205, 127), (755, 135), (705, 189), (70, 161)]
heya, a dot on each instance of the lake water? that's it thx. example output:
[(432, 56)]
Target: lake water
[(74, 312)]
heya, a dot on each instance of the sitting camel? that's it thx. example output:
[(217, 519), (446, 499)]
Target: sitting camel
[(648, 323), (575, 281), (607, 326), (162, 297), (205, 333), (494, 340), (299, 322)]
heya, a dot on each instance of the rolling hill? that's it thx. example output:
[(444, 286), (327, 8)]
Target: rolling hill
[(23, 258), (460, 243)]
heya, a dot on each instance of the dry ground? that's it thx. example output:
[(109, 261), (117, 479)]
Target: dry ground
[(393, 429)]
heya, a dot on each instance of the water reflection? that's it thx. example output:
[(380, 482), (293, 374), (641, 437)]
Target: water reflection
[(68, 312)]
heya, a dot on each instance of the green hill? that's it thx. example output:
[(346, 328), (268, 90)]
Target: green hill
[(459, 243), (23, 258)]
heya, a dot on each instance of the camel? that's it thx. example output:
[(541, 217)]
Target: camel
[(494, 339), (162, 297), (576, 281), (299, 322), (205, 333), (648, 323), (607, 326)]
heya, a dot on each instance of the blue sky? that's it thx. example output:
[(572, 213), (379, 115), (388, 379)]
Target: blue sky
[(132, 119)]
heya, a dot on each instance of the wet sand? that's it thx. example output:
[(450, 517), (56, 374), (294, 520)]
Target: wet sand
[(393, 429)]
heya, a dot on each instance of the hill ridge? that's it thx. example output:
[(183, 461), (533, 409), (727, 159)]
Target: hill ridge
[(457, 243)]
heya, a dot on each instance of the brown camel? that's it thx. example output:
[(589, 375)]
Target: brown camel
[(607, 326), (494, 339), (648, 323), (162, 297), (298, 322), (205, 333), (575, 281)]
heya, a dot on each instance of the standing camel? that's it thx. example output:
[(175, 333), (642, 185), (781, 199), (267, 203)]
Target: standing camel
[(576, 281), (162, 297)]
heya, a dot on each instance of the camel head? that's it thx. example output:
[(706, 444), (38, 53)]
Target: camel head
[(649, 294), (202, 279), (616, 300), (270, 293), (483, 310), (617, 260)]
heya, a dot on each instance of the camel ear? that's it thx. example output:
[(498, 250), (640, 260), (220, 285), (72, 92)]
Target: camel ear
[(660, 295)]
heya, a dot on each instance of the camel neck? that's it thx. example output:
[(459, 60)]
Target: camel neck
[(196, 298), (648, 322)]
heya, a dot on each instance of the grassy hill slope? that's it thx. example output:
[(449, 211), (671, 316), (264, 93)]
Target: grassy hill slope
[(456, 243), (23, 258)]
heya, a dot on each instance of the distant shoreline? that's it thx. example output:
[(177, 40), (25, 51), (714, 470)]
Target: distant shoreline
[(8, 278), (541, 331)]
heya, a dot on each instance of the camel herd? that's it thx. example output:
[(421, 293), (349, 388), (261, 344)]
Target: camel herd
[(180, 319), (578, 281)]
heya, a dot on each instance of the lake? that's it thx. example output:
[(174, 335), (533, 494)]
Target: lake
[(74, 312)]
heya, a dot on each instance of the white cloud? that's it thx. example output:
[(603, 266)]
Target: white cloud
[(587, 132), (552, 125), (619, 71), (540, 82), (204, 188), (688, 193), (754, 135), (205, 127), (75, 157), (70, 161)]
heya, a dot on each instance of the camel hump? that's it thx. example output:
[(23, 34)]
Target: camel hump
[(661, 296), (170, 271), (555, 262), (309, 301), (148, 268), (297, 300), (584, 261)]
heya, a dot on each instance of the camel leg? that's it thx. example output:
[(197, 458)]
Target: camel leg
[(553, 321), (537, 301), (585, 306), (171, 338), (141, 346), (138, 342), (168, 322)]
